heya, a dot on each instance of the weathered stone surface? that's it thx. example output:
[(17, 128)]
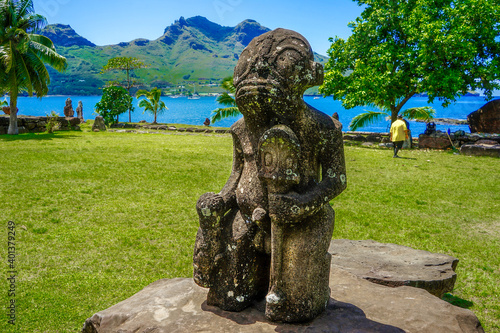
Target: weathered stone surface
[(486, 119), (99, 124), (359, 138), (374, 138), (79, 111), (434, 141), (487, 142), (395, 265), (68, 108), (480, 150), (74, 121), (356, 305), (272, 221)]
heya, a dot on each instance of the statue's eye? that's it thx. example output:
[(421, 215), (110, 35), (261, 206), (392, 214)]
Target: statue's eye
[(287, 59)]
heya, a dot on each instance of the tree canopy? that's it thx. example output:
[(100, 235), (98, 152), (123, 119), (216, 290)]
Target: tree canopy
[(23, 54), (127, 64), (114, 101), (153, 102), (400, 48)]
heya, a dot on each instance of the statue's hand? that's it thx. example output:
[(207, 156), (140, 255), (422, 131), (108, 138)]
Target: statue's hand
[(286, 208), (210, 206)]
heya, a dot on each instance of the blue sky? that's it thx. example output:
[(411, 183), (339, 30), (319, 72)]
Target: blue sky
[(106, 22)]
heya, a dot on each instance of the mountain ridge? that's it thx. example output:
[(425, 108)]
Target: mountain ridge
[(192, 51)]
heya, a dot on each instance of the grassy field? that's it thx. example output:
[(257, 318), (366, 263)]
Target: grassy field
[(98, 216)]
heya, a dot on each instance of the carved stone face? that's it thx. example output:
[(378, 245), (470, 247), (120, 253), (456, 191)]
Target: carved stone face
[(276, 67)]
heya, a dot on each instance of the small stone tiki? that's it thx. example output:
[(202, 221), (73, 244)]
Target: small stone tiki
[(79, 110), (267, 232), (68, 108)]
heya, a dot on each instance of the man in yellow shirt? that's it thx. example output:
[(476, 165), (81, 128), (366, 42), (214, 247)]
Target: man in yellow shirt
[(399, 133)]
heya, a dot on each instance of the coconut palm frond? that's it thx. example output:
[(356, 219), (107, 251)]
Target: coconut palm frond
[(222, 113), (421, 113), (226, 100), (227, 84), (363, 119)]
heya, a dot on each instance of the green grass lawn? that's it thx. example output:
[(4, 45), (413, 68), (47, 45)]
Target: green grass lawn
[(101, 215)]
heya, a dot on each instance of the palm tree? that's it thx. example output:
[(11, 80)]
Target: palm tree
[(226, 99), (153, 103), (369, 117), (23, 54)]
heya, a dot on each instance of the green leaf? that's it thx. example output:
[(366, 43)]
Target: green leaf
[(421, 113), (364, 119), (223, 113)]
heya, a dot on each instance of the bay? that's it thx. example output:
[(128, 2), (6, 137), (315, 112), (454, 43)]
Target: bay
[(194, 111)]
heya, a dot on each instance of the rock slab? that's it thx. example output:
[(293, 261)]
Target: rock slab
[(480, 150), (394, 265), (434, 141), (356, 305), (486, 119)]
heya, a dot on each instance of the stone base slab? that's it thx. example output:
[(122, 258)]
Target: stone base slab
[(356, 305)]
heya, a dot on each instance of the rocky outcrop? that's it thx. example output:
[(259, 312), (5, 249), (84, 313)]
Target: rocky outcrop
[(486, 119), (395, 265), (356, 305), (64, 35)]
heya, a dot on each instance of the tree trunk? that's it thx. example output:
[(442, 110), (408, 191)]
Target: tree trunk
[(13, 129), (395, 109), (394, 113)]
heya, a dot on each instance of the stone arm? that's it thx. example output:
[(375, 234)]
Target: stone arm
[(292, 207), (211, 206)]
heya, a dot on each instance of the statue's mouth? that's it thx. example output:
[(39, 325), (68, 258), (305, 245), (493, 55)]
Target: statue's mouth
[(259, 87)]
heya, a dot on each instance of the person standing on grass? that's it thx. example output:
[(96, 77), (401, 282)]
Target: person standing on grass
[(399, 133)]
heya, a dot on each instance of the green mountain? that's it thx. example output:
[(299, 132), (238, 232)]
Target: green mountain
[(191, 52)]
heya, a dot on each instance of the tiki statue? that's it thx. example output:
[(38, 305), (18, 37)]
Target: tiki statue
[(267, 232)]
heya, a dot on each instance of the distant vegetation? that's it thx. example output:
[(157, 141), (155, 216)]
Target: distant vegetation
[(191, 52), (402, 48)]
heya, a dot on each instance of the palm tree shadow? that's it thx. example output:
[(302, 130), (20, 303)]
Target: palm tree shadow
[(35, 136), (338, 317)]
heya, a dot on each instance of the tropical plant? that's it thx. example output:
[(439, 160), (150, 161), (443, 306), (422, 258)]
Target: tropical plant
[(23, 54), (401, 48), (52, 122), (153, 102), (114, 101), (425, 113), (127, 64), (231, 110)]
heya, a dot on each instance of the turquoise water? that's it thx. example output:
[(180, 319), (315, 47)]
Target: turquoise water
[(193, 112)]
